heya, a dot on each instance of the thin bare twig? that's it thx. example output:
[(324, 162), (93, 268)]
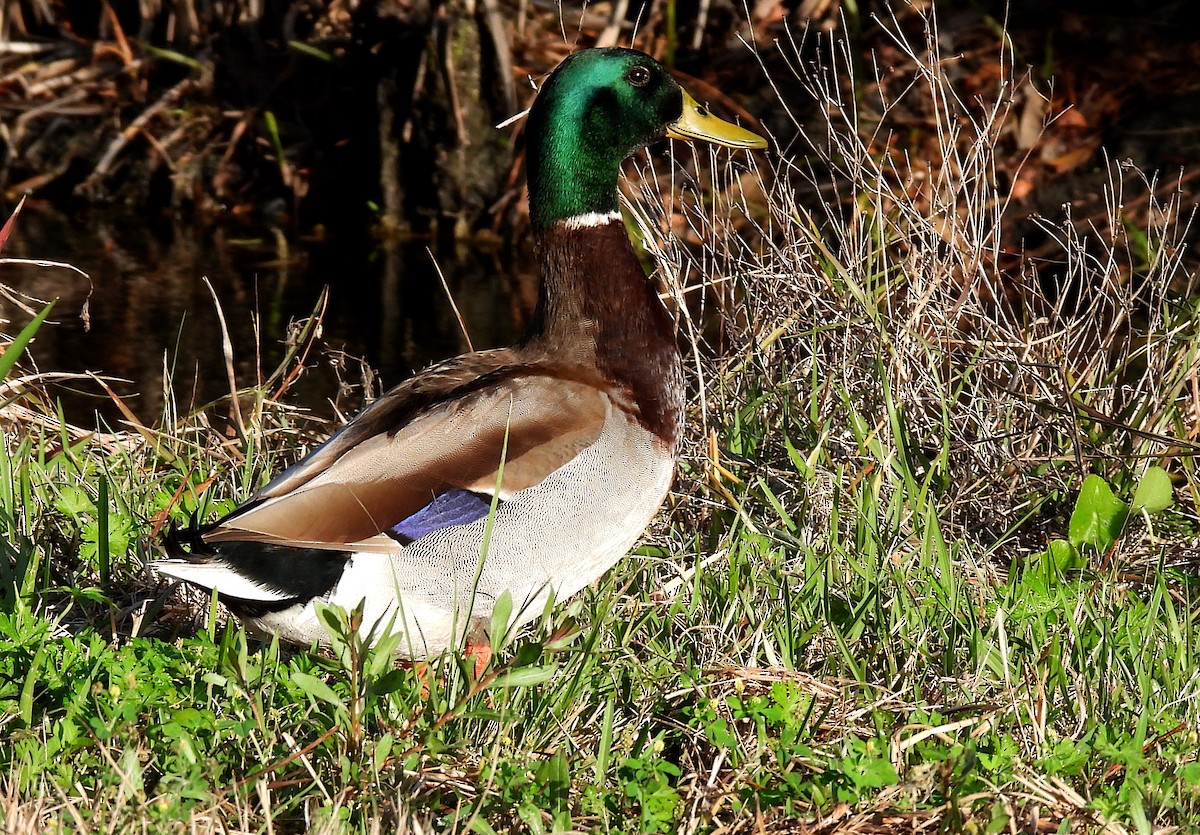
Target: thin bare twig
[(227, 351)]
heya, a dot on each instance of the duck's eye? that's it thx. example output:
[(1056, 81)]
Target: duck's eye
[(638, 76)]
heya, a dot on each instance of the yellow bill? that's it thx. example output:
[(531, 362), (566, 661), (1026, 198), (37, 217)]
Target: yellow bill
[(697, 123)]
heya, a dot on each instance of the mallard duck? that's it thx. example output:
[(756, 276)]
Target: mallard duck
[(572, 434)]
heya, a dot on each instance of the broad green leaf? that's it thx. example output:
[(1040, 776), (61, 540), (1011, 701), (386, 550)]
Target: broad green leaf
[(873, 773), (1098, 516), (1153, 493), (1064, 556), (316, 688), (481, 827), (74, 501), (336, 621), (1137, 813), (387, 683), (31, 678), (531, 815), (526, 676), (501, 614), (331, 617), (382, 749), (527, 654), (554, 769), (384, 648)]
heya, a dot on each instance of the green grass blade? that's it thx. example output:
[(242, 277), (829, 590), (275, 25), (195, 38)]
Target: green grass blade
[(12, 352)]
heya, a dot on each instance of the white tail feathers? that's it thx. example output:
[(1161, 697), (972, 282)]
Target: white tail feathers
[(214, 575)]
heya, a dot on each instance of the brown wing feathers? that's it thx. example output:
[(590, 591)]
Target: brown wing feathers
[(408, 451)]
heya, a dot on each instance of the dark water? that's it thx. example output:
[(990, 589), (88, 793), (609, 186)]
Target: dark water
[(148, 306)]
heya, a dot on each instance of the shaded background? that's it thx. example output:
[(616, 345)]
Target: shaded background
[(277, 148)]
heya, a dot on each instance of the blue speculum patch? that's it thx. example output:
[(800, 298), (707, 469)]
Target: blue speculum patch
[(454, 507)]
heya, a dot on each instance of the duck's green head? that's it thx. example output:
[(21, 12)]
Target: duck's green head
[(597, 108)]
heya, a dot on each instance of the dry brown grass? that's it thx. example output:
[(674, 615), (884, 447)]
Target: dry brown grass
[(872, 279)]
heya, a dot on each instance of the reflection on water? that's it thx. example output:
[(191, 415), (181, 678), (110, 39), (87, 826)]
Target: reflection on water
[(148, 305)]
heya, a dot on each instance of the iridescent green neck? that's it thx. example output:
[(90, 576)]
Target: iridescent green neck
[(572, 167), (596, 109)]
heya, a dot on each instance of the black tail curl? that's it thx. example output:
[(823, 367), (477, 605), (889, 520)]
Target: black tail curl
[(296, 572), (188, 543)]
